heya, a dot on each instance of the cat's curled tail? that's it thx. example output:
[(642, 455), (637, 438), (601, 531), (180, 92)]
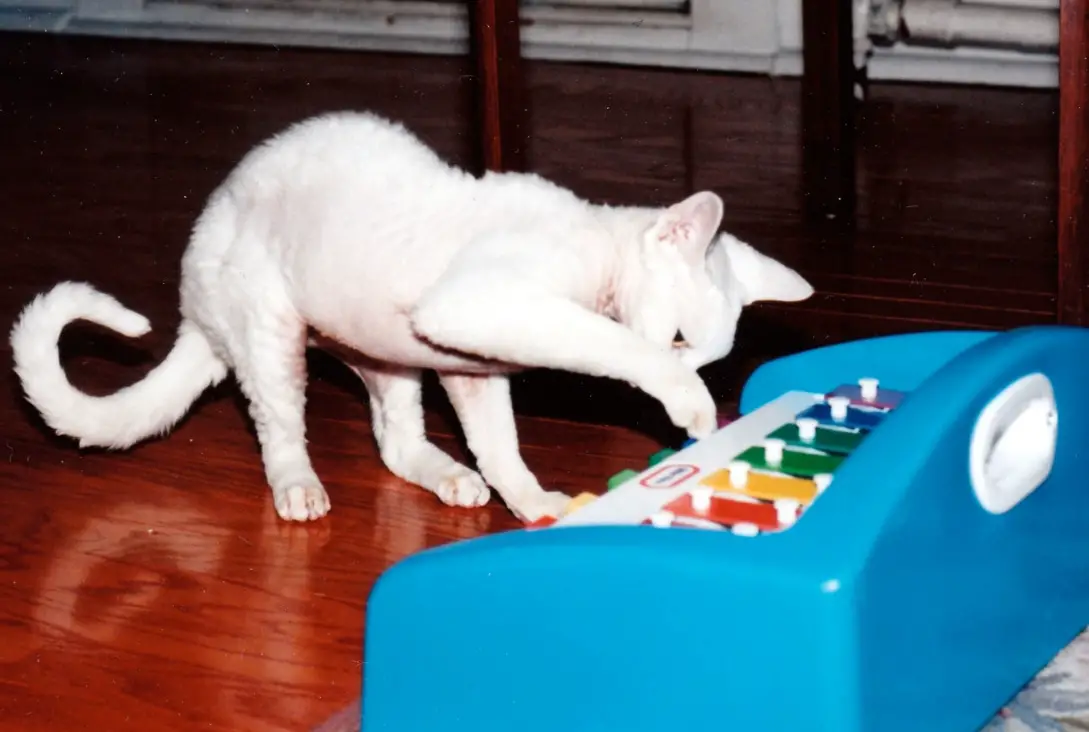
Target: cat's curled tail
[(147, 408)]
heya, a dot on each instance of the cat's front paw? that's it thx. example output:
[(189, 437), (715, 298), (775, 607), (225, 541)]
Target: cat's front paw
[(462, 487), (688, 402), (302, 502), (533, 506)]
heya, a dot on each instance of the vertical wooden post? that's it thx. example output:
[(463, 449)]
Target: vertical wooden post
[(496, 45), (1073, 214), (828, 108)]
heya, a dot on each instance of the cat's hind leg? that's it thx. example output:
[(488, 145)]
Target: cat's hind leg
[(269, 355), (396, 399), (483, 406)]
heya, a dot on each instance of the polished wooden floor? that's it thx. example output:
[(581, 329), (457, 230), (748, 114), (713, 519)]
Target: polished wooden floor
[(156, 589)]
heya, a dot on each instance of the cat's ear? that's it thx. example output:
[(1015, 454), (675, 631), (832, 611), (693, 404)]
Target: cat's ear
[(761, 277), (691, 225)]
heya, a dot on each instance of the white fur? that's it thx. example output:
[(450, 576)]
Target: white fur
[(348, 227)]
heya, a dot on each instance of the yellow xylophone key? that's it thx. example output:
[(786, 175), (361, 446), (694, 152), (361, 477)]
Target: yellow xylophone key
[(769, 487), (578, 502)]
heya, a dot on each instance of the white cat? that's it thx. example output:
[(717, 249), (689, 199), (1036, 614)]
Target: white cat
[(345, 231)]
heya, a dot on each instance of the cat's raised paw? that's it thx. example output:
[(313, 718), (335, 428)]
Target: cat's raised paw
[(302, 502), (463, 488), (689, 404), (539, 505)]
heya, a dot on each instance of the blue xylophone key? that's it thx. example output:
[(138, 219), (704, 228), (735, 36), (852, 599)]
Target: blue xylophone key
[(837, 411)]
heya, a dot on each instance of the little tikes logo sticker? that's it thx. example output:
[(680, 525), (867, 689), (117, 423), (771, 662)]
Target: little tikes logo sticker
[(669, 476)]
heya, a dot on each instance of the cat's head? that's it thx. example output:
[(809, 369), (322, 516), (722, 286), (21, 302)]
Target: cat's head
[(693, 282)]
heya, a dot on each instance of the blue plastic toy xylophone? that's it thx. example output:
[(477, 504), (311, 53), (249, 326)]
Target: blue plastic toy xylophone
[(900, 553)]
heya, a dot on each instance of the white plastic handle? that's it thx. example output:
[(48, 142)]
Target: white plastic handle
[(1012, 448)]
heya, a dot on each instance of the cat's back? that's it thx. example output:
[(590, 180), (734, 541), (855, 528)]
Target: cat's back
[(312, 189), (338, 149)]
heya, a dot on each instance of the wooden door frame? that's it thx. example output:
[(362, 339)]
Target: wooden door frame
[(1073, 206), (828, 110), (495, 40)]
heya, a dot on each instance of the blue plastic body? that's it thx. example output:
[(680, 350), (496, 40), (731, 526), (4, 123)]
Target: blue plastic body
[(897, 604)]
